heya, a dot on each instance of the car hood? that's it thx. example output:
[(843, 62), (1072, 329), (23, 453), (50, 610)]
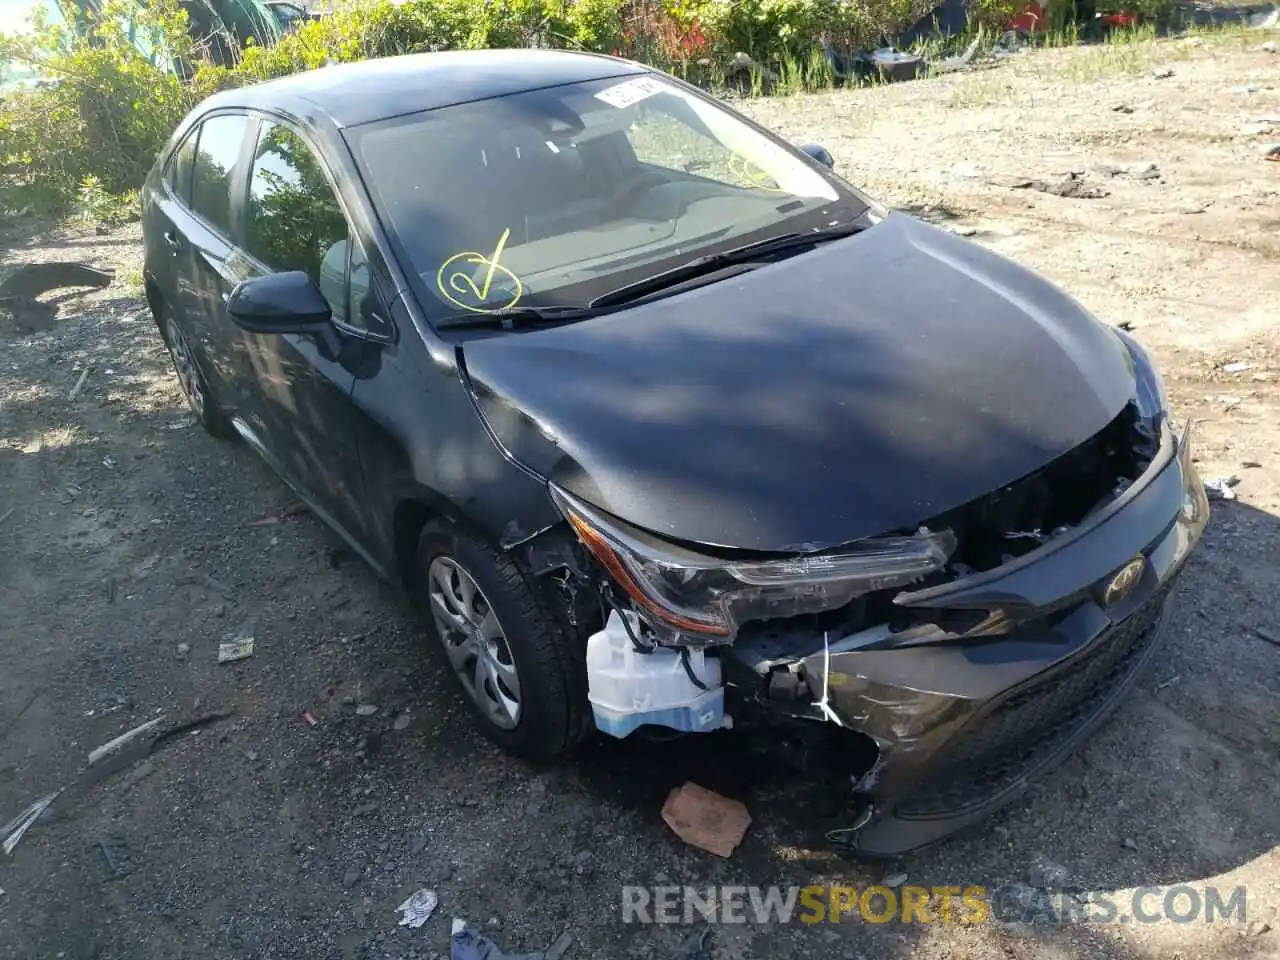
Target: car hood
[(860, 388)]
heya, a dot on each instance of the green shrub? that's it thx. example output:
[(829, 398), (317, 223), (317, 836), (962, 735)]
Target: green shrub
[(993, 14), (789, 32), (379, 29), (596, 25), (101, 206), (101, 119), (767, 30)]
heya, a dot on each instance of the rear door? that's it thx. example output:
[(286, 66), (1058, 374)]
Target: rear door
[(209, 260), (194, 261), (167, 220)]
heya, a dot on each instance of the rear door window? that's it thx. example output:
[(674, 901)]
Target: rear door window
[(213, 173)]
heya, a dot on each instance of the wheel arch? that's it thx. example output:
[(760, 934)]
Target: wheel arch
[(414, 510), (155, 301)]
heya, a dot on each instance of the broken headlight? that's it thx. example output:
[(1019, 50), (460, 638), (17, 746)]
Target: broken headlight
[(706, 599), (1150, 396)]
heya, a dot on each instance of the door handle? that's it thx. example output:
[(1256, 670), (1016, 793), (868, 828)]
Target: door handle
[(171, 241)]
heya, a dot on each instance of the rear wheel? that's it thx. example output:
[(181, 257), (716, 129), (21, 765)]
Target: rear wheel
[(194, 386), (517, 666)]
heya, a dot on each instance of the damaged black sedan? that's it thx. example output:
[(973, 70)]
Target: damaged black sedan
[(665, 424)]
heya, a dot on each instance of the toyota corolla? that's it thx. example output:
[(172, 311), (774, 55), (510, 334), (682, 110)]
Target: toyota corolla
[(666, 425)]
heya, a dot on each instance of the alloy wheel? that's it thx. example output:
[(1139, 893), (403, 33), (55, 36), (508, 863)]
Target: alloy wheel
[(184, 364), (474, 642)]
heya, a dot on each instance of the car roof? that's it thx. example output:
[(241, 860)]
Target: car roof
[(350, 94)]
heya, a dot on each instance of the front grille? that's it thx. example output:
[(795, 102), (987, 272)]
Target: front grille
[(1015, 738)]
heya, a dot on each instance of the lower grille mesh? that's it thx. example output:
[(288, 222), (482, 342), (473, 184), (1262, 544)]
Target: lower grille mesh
[(1016, 736)]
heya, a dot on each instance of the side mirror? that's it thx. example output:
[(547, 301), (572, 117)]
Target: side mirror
[(820, 153), (279, 303)]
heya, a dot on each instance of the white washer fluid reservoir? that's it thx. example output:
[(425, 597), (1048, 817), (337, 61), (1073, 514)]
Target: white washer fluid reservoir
[(628, 688)]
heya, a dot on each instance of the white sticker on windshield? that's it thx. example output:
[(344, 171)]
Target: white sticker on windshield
[(627, 92)]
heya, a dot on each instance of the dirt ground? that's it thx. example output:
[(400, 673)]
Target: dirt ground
[(130, 548)]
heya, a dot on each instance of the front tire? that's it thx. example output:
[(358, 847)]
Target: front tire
[(516, 664)]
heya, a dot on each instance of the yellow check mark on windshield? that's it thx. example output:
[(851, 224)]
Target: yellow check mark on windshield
[(457, 276), (493, 264)]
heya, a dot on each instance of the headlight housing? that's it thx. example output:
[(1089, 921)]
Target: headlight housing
[(705, 600), (1150, 398)]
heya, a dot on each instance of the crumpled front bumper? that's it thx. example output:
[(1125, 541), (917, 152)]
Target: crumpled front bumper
[(963, 723)]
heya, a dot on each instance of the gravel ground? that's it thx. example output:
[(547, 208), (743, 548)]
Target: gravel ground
[(133, 542)]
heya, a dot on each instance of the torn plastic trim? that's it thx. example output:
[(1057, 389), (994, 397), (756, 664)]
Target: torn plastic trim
[(555, 556), (513, 535), (692, 599), (1172, 446), (996, 528)]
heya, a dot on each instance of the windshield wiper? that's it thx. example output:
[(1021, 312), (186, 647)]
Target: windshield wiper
[(715, 261), (514, 317)]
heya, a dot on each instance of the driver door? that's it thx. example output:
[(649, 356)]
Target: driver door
[(303, 414)]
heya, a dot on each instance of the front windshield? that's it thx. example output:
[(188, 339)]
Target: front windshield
[(555, 196)]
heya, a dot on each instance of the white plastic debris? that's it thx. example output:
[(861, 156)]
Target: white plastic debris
[(418, 908), (1266, 21), (1240, 366), (15, 828), (824, 704), (75, 391), (1221, 488), (236, 646), (111, 746), (890, 55)]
